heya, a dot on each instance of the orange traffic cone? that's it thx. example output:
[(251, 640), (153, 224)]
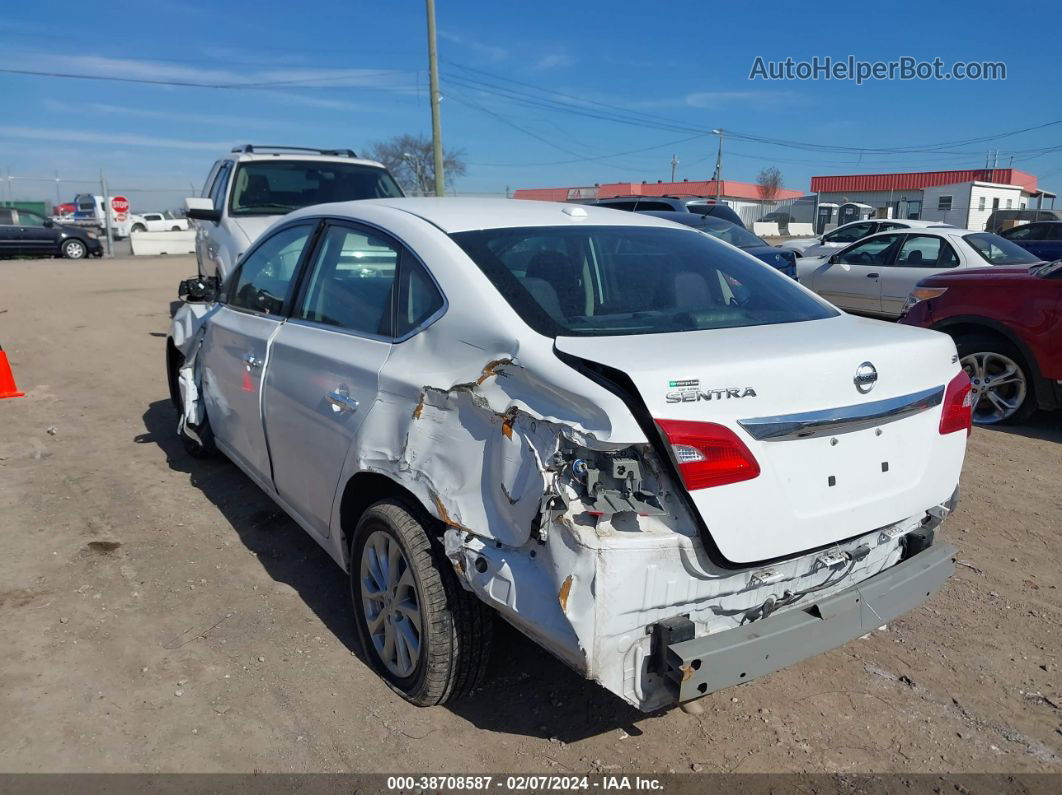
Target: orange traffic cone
[(7, 378)]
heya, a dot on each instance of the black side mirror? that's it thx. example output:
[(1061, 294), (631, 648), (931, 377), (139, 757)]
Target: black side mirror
[(49, 222), (204, 215), (200, 289)]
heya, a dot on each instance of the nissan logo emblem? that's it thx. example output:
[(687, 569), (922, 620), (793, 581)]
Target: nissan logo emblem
[(866, 375)]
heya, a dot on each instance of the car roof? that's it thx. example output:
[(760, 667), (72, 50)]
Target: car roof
[(454, 214), (933, 231), (245, 157)]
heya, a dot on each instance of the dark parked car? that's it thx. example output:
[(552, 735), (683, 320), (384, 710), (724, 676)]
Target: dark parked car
[(26, 234), (735, 235), (673, 204), (996, 219), (1042, 238), (1007, 325)]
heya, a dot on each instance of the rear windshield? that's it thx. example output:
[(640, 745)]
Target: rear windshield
[(997, 250), (280, 186), (617, 280)]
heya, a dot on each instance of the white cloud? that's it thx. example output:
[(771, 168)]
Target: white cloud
[(109, 139), (553, 61), (718, 99), (489, 52)]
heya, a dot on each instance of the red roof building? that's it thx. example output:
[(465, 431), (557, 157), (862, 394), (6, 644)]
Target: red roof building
[(919, 180), (727, 189)]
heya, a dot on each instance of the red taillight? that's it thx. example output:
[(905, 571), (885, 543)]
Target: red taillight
[(957, 414), (708, 454)]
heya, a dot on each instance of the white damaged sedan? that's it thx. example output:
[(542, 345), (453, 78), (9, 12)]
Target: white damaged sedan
[(662, 460)]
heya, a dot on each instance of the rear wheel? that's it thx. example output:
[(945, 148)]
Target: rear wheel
[(74, 249), (426, 636), (1002, 384), (138, 228)]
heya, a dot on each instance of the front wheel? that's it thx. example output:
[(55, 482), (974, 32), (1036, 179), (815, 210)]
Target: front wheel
[(74, 249), (138, 228), (1002, 386), (426, 636)]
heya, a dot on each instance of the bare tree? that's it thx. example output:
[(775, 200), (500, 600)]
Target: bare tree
[(769, 183), (410, 159)]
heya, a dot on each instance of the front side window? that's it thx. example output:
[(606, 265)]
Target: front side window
[(870, 252), (351, 283), (272, 187), (996, 250), (616, 280), (263, 282), (26, 218), (849, 234), (925, 251), (221, 184)]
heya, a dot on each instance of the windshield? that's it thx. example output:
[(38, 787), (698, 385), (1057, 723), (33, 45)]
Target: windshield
[(619, 280), (997, 250), (275, 187), (732, 234)]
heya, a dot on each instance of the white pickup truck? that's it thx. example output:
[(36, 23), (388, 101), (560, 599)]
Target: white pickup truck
[(158, 222)]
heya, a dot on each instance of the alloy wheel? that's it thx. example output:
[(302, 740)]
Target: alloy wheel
[(391, 604), (999, 386), (74, 249)]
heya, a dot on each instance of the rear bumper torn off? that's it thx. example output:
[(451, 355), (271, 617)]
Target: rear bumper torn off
[(716, 661)]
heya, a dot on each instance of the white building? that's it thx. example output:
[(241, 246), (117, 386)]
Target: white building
[(964, 198)]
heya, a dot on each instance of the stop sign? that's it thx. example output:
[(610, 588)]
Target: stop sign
[(120, 205)]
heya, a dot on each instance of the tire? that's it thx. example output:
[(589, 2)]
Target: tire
[(203, 446), (175, 229), (451, 627), (1004, 391), (138, 228), (74, 249)]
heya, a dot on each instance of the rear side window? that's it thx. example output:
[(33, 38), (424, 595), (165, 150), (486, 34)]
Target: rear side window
[(644, 205), (925, 251), (996, 250), (264, 280), (618, 280), (351, 282), (418, 297)]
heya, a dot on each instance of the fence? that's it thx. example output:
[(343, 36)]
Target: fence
[(17, 188)]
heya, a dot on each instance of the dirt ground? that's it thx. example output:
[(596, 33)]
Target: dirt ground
[(159, 613)]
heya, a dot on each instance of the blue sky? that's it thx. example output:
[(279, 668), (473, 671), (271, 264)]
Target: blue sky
[(345, 73)]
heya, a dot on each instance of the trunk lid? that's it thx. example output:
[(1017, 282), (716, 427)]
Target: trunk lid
[(816, 489)]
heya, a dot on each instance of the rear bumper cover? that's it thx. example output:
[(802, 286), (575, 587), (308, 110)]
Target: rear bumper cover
[(713, 662)]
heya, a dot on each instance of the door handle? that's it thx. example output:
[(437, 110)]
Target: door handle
[(872, 276), (251, 362), (341, 400)]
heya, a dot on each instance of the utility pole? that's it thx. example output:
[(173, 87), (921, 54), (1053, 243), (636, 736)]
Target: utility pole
[(436, 123), (674, 165), (718, 177), (106, 212), (58, 200)]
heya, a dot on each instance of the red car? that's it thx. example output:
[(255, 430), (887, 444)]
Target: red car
[(1007, 325)]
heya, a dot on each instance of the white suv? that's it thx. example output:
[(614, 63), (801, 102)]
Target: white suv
[(669, 464), (250, 188)]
